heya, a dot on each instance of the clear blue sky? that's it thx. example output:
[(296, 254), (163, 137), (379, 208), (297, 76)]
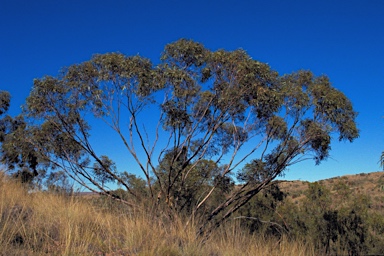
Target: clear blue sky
[(342, 39)]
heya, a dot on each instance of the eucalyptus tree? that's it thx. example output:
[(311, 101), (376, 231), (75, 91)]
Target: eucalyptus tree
[(196, 109)]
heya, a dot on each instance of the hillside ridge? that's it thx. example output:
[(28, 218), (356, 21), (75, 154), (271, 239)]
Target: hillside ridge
[(371, 184)]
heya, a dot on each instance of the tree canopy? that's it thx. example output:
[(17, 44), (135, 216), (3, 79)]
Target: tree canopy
[(191, 123)]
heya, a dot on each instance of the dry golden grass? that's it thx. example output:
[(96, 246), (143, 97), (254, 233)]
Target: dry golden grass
[(47, 224)]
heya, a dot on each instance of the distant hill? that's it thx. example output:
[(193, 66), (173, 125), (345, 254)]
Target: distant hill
[(370, 184)]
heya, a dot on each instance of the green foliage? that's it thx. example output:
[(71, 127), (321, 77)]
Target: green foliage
[(342, 190), (187, 188), (16, 152), (137, 184), (318, 197), (5, 99), (99, 167), (20, 156), (337, 229), (376, 240), (335, 222), (260, 214), (58, 182)]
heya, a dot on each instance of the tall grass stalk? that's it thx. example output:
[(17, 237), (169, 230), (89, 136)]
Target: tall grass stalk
[(42, 223)]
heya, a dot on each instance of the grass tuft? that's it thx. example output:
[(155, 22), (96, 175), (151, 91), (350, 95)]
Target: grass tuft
[(42, 223)]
